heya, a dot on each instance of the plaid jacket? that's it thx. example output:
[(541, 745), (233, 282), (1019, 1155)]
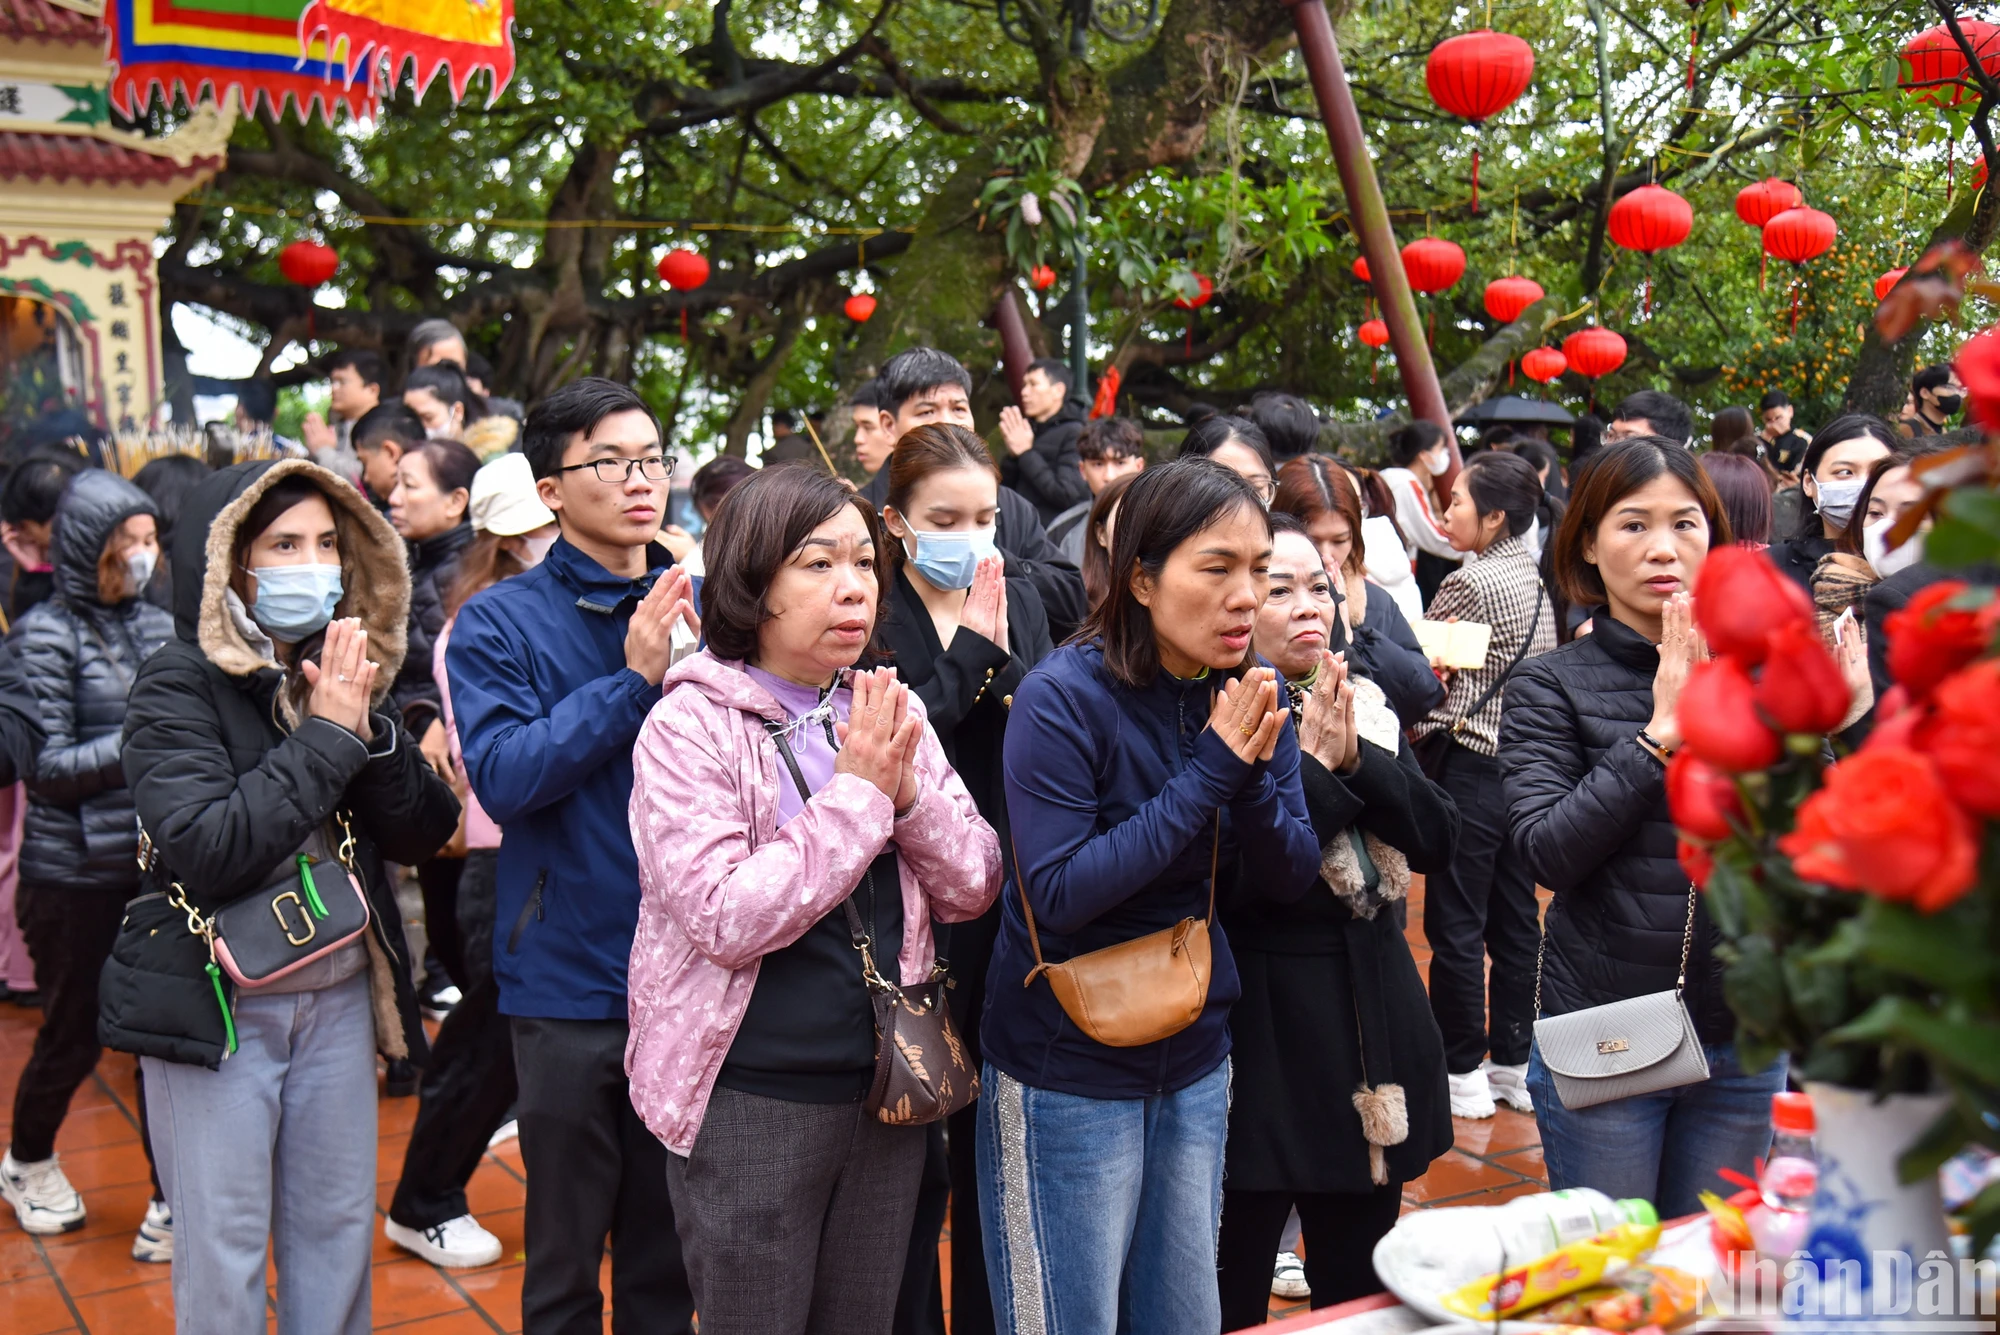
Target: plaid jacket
[(1498, 588)]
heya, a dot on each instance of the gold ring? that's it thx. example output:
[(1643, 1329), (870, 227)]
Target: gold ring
[(1249, 728)]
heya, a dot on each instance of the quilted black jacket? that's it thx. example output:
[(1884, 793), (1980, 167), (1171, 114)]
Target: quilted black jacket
[(80, 658), (1588, 810)]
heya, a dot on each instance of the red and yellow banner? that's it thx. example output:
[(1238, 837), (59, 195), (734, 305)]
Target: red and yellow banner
[(454, 37)]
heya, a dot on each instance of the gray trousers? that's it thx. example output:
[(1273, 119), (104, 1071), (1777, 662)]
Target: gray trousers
[(795, 1217), (278, 1143)]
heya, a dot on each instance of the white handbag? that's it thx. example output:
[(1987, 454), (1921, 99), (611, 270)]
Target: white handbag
[(1637, 1046)]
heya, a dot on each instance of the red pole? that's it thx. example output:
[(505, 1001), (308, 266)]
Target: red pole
[(1014, 349), (1371, 221)]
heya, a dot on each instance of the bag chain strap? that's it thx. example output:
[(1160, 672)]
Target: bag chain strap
[(1680, 982)]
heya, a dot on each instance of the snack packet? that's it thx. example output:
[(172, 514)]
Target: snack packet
[(1640, 1295), (1563, 1271)]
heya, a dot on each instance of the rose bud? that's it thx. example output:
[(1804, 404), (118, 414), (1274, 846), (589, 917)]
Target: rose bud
[(1962, 736), (1800, 688), (1719, 720), (1929, 641), (1884, 824), (1740, 598), (1702, 798)]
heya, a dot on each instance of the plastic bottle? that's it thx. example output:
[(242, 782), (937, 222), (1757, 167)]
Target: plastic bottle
[(1531, 1226), (1791, 1170)]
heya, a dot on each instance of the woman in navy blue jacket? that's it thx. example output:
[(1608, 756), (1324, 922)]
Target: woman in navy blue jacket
[(1137, 757)]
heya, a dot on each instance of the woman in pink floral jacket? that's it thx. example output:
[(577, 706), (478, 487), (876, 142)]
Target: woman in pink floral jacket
[(771, 783)]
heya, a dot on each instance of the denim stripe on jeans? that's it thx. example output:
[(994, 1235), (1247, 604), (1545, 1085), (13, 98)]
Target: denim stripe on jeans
[(1101, 1214), (1663, 1147)]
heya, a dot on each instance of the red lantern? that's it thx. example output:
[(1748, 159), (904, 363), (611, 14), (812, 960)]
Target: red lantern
[(1373, 333), (1933, 61), (1506, 298), (1594, 351), (859, 307), (1799, 235), (1761, 201), (683, 269), (1433, 264), (1200, 298), (1888, 281), (1360, 268), (308, 263), (1043, 277), (1651, 218), (1542, 365), (1476, 75)]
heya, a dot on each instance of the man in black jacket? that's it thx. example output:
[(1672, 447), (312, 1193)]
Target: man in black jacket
[(1040, 436)]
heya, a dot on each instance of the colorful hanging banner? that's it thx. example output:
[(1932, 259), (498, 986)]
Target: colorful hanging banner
[(452, 36), (195, 47)]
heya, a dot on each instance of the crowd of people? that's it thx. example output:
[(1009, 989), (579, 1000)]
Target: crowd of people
[(1022, 837)]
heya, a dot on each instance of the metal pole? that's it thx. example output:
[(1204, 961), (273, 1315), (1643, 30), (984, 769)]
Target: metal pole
[(1370, 218), (1079, 323)]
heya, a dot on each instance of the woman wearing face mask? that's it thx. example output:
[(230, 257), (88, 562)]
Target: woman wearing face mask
[(441, 399), (773, 785), (1831, 474), (79, 652), (258, 736), (1332, 1002), (1584, 745), (1422, 453), (1321, 494), (469, 1083), (1149, 767), (961, 634)]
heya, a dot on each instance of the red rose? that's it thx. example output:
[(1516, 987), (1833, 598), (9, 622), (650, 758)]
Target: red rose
[(1929, 641), (1978, 366), (1740, 598), (1962, 736), (1800, 688), (1702, 797), (1696, 861), (1884, 824), (1719, 720)]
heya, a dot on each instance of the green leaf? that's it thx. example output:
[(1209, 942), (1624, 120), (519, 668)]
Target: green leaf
[(1754, 984), (1937, 949), (1966, 1046), (1954, 542)]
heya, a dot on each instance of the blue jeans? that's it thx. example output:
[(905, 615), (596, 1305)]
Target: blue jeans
[(1663, 1147), (1100, 1214), (280, 1143)]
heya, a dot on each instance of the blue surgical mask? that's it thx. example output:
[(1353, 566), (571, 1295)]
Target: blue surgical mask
[(949, 560), (294, 601)]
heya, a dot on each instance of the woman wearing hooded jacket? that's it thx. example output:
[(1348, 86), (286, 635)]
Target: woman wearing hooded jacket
[(257, 735), (79, 652)]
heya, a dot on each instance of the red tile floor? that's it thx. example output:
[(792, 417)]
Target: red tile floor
[(87, 1281)]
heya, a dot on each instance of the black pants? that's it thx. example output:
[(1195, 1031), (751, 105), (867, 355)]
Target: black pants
[(594, 1172), (439, 880), (469, 1084), (1482, 905), (68, 931), (1340, 1230)]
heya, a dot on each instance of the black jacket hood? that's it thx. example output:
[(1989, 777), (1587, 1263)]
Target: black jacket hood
[(95, 504)]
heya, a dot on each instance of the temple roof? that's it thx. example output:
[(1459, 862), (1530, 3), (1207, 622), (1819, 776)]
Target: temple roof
[(41, 21), (61, 157)]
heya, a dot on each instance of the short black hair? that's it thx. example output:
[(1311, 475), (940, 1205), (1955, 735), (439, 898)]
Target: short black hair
[(1111, 438), (1774, 398), (1057, 372), (1288, 421), (1212, 433), (258, 398), (1931, 377), (1505, 482), (367, 364), (478, 367), (714, 479), (1668, 415), (867, 394), (446, 382), (168, 480), (1412, 439), (36, 486), (575, 410), (392, 419), (917, 371)]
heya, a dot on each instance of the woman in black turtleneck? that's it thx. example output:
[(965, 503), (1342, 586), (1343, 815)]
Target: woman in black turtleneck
[(1831, 475)]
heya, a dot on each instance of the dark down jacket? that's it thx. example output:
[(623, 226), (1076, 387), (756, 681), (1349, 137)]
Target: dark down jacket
[(80, 658), (1588, 810)]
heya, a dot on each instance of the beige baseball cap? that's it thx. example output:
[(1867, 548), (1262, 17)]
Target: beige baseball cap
[(504, 500)]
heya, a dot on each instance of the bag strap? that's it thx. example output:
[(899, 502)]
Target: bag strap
[(1680, 981), (1034, 938), (1534, 620), (857, 931)]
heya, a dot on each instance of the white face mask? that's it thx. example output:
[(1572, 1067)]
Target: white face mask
[(1836, 500), (538, 549), (1435, 461), (1888, 560), (140, 566)]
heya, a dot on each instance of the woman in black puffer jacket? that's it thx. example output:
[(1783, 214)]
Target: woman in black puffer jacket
[(1584, 740), (78, 652)]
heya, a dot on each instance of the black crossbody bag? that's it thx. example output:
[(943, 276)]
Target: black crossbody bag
[(1432, 748)]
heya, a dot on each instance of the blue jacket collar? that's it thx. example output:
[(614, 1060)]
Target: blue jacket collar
[(597, 589)]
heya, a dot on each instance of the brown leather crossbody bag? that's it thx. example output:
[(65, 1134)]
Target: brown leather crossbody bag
[(1138, 991)]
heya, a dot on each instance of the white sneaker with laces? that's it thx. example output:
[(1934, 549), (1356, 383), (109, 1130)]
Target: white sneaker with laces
[(509, 1130), (1471, 1096), (1288, 1277), (441, 1003), (1509, 1085), (155, 1240), (457, 1244), (42, 1197)]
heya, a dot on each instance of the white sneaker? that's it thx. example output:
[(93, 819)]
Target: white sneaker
[(42, 1197), (155, 1241), (1288, 1277), (456, 1243), (1509, 1085), (509, 1130), (441, 1003), (1471, 1096)]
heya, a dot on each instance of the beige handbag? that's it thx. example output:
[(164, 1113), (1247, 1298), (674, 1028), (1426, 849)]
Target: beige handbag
[(1139, 991), (1637, 1046)]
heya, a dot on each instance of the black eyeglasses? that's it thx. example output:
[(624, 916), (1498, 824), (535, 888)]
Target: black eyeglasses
[(654, 468)]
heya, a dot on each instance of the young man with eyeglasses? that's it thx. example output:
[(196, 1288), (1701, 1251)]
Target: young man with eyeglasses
[(552, 672)]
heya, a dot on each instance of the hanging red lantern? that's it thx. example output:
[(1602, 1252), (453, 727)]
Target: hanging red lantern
[(1507, 297), (1542, 365), (1934, 65), (1373, 333), (682, 270), (859, 307), (1042, 277), (1761, 201), (1433, 264), (1206, 290), (308, 263), (1888, 281), (1799, 235), (1650, 219), (1476, 75), (1594, 351), (1360, 268)]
